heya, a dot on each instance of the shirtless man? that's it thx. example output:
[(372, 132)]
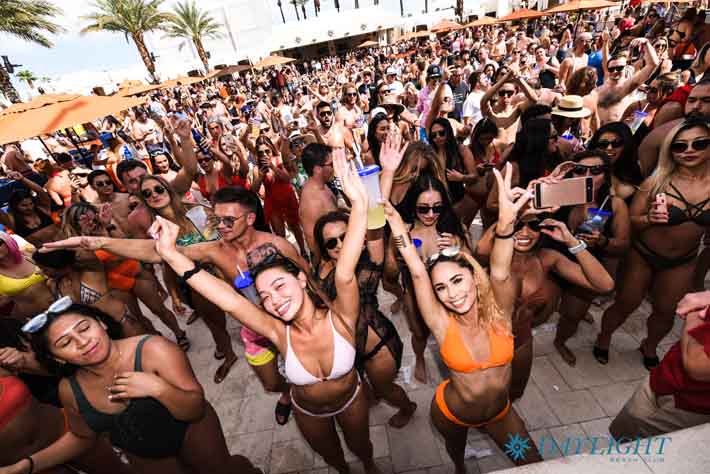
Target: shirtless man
[(615, 94), (578, 59), (327, 131), (146, 131), (316, 197), (506, 115), (102, 183), (241, 245), (349, 114)]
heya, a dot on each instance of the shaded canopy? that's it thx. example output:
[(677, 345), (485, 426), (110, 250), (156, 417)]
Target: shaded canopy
[(416, 34), (484, 20), (49, 119), (228, 70), (445, 25), (581, 5), (181, 81), (521, 14), (38, 102), (368, 44), (274, 60)]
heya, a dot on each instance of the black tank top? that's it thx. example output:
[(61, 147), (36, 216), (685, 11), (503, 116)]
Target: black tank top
[(22, 230)]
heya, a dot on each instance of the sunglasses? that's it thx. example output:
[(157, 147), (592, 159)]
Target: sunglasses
[(603, 144), (330, 244), (506, 93), (228, 221), (680, 33), (439, 134), (617, 68), (448, 252), (533, 224), (263, 152), (39, 321), (351, 94), (147, 193), (697, 145), (326, 113), (100, 184), (435, 209), (596, 170)]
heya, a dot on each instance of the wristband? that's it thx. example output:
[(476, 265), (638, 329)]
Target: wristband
[(581, 246), (32, 464), (190, 273), (506, 236)]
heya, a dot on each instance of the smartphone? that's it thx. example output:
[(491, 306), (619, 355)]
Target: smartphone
[(568, 192), (661, 202)]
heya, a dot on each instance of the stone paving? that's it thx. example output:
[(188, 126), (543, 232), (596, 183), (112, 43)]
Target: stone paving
[(559, 402)]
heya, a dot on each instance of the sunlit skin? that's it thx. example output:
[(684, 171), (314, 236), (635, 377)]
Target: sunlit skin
[(162, 164), (244, 220), (156, 200), (79, 340), (438, 135), (525, 239), (615, 76), (455, 286), (429, 198), (613, 152), (509, 90), (132, 179), (281, 293), (691, 158), (335, 230)]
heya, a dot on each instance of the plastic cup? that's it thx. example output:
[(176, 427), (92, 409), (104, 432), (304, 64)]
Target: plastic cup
[(638, 119), (370, 176), (245, 285), (595, 221)]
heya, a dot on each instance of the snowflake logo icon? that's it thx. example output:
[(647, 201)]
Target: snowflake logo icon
[(516, 447)]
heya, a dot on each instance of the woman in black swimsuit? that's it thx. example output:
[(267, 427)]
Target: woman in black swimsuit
[(667, 237), (617, 141), (140, 391), (30, 216), (374, 331)]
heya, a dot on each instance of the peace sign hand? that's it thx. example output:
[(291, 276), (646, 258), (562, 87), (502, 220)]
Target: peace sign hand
[(510, 200)]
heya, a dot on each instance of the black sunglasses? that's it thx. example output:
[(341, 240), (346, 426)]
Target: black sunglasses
[(435, 209), (330, 244), (603, 144), (533, 224), (351, 94), (506, 93), (596, 170), (228, 221), (158, 189), (438, 134), (697, 145), (263, 152), (325, 113), (100, 184), (617, 68)]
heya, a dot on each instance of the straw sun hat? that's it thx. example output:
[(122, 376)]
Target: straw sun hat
[(571, 106)]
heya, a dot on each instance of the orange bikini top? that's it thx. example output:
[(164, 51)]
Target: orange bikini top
[(458, 358)]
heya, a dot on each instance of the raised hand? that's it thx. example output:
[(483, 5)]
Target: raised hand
[(83, 242), (558, 231), (14, 175), (105, 214), (165, 234), (352, 185), (183, 129), (392, 151), (510, 200), (395, 220)]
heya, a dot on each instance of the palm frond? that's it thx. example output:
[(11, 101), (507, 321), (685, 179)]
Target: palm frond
[(29, 20), (192, 23)]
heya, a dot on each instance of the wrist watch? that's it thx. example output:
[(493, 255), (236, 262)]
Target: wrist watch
[(581, 246)]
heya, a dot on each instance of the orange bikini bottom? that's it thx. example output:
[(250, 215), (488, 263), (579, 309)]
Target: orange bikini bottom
[(441, 403)]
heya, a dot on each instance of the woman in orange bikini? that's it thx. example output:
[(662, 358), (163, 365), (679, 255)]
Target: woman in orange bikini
[(470, 317)]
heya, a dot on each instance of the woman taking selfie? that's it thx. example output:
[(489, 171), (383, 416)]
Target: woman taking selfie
[(669, 215), (469, 315), (139, 391), (617, 141), (318, 341)]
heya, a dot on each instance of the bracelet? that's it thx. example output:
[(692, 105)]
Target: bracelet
[(190, 273), (506, 236), (32, 464), (400, 241), (581, 246)]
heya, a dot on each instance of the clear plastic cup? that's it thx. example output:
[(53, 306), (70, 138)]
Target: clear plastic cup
[(639, 117), (595, 221), (370, 176), (245, 285)]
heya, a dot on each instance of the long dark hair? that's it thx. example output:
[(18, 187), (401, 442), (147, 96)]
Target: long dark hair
[(16, 198), (454, 160), (41, 345), (448, 221), (329, 218), (531, 150), (605, 188), (485, 126), (626, 168), (372, 138)]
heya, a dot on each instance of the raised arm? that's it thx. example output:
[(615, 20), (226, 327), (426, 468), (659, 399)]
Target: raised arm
[(391, 155), (186, 157), (652, 62), (44, 199)]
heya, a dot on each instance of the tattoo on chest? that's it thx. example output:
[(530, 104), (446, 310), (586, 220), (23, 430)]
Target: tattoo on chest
[(261, 252)]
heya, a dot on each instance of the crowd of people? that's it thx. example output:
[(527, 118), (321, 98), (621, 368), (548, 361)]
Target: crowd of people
[(251, 197)]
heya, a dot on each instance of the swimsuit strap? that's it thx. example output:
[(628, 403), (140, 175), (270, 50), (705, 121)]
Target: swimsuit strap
[(692, 210), (138, 366)]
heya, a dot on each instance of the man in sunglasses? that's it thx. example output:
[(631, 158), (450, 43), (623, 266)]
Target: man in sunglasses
[(504, 113), (329, 132), (101, 182), (616, 93)]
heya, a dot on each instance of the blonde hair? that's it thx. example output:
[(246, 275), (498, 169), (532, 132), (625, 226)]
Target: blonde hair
[(490, 316), (666, 168)]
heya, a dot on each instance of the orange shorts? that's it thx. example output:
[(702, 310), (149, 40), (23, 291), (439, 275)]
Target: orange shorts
[(441, 403)]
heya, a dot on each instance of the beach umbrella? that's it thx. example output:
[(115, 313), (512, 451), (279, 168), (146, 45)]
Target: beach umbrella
[(416, 34), (49, 119), (521, 14), (181, 81), (484, 20), (445, 25), (578, 5), (368, 44), (228, 70), (274, 60), (38, 102), (137, 89)]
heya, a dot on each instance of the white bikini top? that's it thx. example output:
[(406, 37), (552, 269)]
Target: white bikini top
[(343, 360)]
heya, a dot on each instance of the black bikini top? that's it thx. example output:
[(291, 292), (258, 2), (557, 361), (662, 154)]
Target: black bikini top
[(692, 212)]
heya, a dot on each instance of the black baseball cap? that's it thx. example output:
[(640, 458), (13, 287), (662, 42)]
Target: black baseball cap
[(433, 72)]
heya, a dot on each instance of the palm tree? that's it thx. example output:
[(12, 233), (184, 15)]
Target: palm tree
[(295, 7), (191, 23), (29, 20), (426, 6), (28, 77), (303, 8), (316, 6), (357, 4), (133, 18), (337, 5), (283, 18), (401, 8)]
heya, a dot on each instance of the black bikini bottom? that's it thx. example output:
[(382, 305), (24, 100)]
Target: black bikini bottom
[(659, 262)]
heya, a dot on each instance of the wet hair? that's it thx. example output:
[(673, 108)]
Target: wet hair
[(41, 345), (329, 218), (245, 198), (128, 165), (314, 154), (454, 160), (95, 174), (171, 163), (323, 104), (375, 145), (14, 255), (447, 221), (626, 168)]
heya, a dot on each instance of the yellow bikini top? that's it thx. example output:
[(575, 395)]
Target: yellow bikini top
[(10, 286)]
